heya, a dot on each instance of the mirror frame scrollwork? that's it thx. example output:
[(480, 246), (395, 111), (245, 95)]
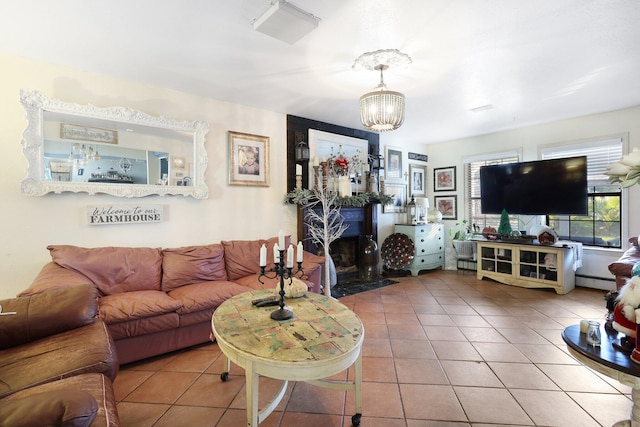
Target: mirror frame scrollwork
[(36, 104)]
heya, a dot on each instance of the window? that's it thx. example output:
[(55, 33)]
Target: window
[(602, 226), (472, 190)]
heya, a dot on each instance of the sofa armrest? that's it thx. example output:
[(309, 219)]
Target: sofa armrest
[(312, 266), (53, 276), (66, 408), (48, 313)]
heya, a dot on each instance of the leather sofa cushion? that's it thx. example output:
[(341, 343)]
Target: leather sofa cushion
[(135, 305), (192, 264), (204, 295), (66, 408), (144, 326), (113, 269), (88, 349), (40, 315), (97, 385), (242, 257)]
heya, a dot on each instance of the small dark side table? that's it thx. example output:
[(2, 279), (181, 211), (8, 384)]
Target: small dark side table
[(608, 361)]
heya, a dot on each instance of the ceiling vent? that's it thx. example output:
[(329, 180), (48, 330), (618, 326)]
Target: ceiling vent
[(285, 22)]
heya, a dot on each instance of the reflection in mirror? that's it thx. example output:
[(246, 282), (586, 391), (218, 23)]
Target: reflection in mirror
[(114, 150)]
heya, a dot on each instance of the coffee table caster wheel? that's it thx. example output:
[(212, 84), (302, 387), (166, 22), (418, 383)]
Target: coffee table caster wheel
[(355, 420), (224, 376)]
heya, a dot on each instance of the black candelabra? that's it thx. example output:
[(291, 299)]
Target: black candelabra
[(284, 273)]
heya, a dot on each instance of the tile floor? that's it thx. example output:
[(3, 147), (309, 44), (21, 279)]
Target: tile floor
[(440, 349)]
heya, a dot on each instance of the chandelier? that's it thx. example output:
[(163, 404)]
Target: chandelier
[(382, 110), (81, 154)]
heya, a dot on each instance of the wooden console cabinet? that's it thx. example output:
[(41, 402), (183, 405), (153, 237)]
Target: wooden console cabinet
[(527, 265), (428, 240)]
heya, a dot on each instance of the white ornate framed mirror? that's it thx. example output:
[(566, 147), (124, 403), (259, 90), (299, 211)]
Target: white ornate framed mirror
[(110, 150)]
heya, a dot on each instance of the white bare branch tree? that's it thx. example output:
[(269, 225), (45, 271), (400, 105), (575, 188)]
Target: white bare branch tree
[(325, 226)]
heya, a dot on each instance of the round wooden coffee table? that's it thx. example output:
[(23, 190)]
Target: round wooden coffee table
[(323, 338)]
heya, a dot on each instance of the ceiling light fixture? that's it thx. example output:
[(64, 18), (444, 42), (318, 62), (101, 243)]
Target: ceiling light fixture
[(285, 22), (382, 110)]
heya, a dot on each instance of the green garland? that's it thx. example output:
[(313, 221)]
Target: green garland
[(305, 197)]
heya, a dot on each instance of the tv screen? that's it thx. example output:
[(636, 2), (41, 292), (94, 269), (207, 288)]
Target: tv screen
[(544, 187)]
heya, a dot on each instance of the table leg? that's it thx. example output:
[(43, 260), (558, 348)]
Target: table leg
[(252, 395), (357, 382)]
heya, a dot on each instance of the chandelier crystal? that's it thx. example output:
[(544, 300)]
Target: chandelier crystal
[(382, 110)]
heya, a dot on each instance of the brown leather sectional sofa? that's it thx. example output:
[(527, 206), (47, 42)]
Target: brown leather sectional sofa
[(623, 266), (158, 300), (57, 361)]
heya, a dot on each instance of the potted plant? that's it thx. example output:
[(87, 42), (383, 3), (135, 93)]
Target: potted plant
[(460, 235)]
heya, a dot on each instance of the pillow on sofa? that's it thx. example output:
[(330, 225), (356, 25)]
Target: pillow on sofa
[(136, 305), (242, 257), (66, 408), (192, 264), (113, 269)]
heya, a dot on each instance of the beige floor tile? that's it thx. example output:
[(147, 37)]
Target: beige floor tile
[(499, 352), (576, 378), (431, 402), (476, 334), (446, 350), (522, 375), (607, 409), (441, 350), (444, 333), (412, 349), (134, 414), (491, 405), (378, 369), (162, 387), (552, 408), (468, 373), (420, 371), (190, 416)]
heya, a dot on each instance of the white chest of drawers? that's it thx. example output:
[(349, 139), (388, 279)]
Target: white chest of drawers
[(428, 240)]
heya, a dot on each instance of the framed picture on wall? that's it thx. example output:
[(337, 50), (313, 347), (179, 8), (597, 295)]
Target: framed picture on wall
[(444, 179), (393, 168), (399, 194), (248, 159), (417, 180), (447, 205)]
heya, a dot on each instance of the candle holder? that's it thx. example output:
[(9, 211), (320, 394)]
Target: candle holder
[(284, 273), (316, 169)]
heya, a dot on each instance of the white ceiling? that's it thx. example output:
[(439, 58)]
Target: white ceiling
[(534, 61)]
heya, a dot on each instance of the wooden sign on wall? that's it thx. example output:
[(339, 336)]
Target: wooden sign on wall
[(124, 214)]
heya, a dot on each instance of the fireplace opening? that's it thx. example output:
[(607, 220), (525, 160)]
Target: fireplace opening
[(345, 256)]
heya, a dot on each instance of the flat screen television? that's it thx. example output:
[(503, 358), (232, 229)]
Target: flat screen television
[(543, 187)]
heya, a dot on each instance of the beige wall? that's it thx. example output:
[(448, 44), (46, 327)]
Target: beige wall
[(29, 224), (527, 140)]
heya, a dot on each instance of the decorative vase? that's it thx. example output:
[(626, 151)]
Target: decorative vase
[(369, 260), (344, 186), (434, 215)]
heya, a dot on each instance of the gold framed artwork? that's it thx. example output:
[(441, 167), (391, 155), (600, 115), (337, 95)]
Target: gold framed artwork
[(248, 159), (417, 180)]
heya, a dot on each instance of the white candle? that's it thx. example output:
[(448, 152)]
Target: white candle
[(366, 167), (315, 161), (324, 159), (276, 253), (300, 252), (263, 255), (281, 240), (290, 257), (298, 169)]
